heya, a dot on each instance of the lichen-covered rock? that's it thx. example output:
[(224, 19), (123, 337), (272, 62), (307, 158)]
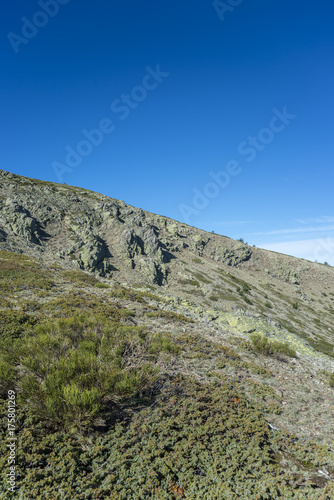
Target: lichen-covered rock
[(199, 242), (154, 271), (285, 273), (172, 229), (233, 257), (94, 257), (20, 222)]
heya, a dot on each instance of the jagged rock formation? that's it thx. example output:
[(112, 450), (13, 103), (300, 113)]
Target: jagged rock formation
[(96, 233)]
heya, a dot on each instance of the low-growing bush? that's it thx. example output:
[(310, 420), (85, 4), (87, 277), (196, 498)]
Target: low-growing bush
[(101, 285), (66, 371), (81, 278), (263, 345), (70, 304), (169, 315), (244, 296), (190, 282), (133, 295), (22, 274), (14, 323), (331, 380), (198, 441)]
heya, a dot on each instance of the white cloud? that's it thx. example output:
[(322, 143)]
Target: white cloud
[(320, 249), (316, 220), (309, 229)]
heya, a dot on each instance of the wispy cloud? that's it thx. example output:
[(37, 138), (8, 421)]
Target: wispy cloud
[(309, 229), (311, 249), (324, 219)]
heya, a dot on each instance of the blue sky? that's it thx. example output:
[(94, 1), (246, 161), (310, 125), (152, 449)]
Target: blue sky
[(218, 114)]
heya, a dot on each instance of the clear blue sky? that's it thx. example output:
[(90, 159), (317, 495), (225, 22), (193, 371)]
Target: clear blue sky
[(180, 90)]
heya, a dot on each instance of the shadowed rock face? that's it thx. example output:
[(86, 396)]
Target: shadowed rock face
[(86, 230), (96, 233)]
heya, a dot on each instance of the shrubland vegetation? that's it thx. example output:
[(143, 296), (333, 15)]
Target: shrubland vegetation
[(106, 408), (68, 372)]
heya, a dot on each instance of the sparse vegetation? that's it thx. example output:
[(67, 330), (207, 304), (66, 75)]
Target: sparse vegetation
[(129, 294), (81, 278), (263, 345), (202, 278), (169, 315), (190, 282), (18, 273)]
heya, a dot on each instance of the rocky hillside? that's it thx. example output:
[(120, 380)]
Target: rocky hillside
[(215, 358), (216, 275)]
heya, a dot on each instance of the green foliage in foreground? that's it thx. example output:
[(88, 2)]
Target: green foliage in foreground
[(263, 345), (95, 419), (195, 442), (65, 371)]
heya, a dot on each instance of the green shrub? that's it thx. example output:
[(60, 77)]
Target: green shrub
[(242, 294), (81, 278), (7, 374), (169, 315), (70, 304), (331, 380), (133, 295), (190, 282), (64, 369), (14, 323), (101, 285), (197, 441), (161, 343), (263, 345), (202, 278)]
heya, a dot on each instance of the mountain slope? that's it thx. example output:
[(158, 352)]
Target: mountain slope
[(210, 339), (80, 229)]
